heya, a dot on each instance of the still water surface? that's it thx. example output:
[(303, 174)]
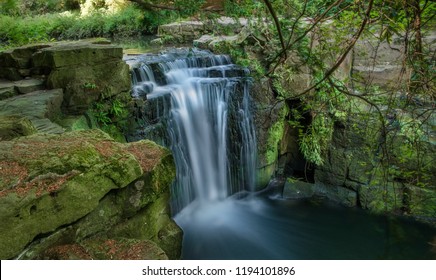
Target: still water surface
[(262, 227)]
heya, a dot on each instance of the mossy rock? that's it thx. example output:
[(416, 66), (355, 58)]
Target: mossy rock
[(75, 53), (123, 249), (295, 189), (149, 191), (106, 249), (15, 126), (58, 176), (422, 202), (84, 85), (20, 58), (153, 223), (386, 198), (338, 194)]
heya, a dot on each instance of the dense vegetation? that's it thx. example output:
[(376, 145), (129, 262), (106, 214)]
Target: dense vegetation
[(28, 21)]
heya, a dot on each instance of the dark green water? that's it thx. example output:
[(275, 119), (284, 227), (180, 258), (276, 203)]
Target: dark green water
[(261, 227)]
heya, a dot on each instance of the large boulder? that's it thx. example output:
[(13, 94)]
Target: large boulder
[(86, 71), (65, 177)]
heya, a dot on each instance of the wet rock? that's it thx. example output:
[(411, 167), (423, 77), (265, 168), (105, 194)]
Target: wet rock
[(295, 189)]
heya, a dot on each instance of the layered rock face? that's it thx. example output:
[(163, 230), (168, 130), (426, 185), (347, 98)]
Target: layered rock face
[(86, 70), (76, 194)]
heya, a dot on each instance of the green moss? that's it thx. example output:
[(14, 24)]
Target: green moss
[(275, 135), (102, 248), (381, 199), (15, 126), (422, 201), (164, 173), (63, 177)]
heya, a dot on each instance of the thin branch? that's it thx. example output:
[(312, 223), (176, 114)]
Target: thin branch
[(277, 23), (344, 55), (302, 36)]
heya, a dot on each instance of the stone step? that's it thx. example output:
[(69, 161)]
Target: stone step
[(12, 88), (47, 126), (29, 85), (40, 107), (7, 89)]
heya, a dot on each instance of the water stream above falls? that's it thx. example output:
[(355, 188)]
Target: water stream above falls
[(198, 104)]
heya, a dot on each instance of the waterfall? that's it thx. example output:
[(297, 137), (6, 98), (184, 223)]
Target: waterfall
[(201, 101)]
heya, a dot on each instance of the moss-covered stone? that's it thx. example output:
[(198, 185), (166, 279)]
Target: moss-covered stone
[(123, 249), (62, 177), (101, 248), (338, 194), (84, 85), (153, 223), (7, 89), (140, 210), (75, 53), (19, 58), (15, 126), (295, 189), (381, 198), (422, 203)]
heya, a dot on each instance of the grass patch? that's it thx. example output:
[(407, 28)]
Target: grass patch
[(129, 22)]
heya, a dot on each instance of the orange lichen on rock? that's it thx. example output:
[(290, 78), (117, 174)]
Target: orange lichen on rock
[(11, 174), (130, 250), (66, 252), (106, 148), (146, 153), (47, 183)]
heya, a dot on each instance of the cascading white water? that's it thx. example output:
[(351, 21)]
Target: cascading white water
[(208, 123)]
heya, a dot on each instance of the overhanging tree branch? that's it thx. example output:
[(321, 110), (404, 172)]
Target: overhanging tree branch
[(291, 42), (277, 24), (345, 53)]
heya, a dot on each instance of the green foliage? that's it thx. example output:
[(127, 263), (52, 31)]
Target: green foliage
[(101, 114), (9, 7), (109, 112), (314, 142), (127, 23), (188, 7), (36, 7), (88, 85), (240, 57)]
